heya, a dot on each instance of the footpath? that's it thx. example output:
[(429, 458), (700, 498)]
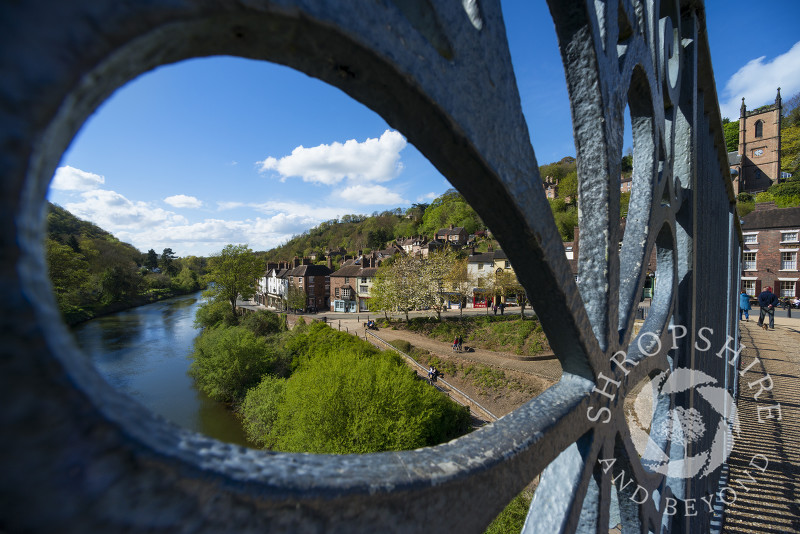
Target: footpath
[(763, 492)]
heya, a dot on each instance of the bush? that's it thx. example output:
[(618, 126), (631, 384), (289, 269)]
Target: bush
[(349, 403), (213, 313), (229, 360), (401, 344), (263, 323), (317, 340), (260, 409)]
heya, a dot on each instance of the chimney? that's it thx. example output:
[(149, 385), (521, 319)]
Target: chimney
[(330, 262), (271, 265), (306, 261), (451, 226), (490, 248), (296, 262)]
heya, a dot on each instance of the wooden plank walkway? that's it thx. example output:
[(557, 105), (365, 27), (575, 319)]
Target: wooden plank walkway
[(763, 492)]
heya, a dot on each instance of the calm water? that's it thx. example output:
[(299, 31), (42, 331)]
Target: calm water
[(143, 352)]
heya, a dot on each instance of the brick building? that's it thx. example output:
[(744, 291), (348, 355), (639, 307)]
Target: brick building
[(350, 286), (769, 256)]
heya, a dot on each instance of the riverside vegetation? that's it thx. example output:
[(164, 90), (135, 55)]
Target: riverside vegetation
[(94, 273), (314, 389)]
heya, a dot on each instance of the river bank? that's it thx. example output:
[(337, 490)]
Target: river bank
[(144, 352), (78, 315)]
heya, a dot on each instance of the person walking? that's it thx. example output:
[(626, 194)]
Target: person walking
[(744, 306), (767, 300)]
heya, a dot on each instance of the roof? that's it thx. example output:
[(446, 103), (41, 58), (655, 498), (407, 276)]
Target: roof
[(347, 270), (734, 158), (485, 257), (448, 231), (771, 218), (309, 270)]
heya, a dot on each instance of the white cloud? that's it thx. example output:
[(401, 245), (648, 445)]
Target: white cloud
[(114, 212), (319, 213), (211, 235), (374, 160), (427, 197), (71, 179), (371, 195), (758, 82), (183, 201)]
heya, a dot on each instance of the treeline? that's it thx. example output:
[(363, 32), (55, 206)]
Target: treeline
[(372, 232), (93, 273), (314, 389), (356, 232)]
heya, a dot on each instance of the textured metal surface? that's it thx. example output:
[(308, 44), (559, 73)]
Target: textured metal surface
[(77, 456)]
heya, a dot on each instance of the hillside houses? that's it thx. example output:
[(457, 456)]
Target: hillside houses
[(300, 274), (349, 288)]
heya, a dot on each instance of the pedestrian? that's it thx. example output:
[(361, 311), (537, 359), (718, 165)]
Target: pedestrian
[(460, 343), (494, 309), (767, 300), (744, 306), (502, 308), (455, 344)]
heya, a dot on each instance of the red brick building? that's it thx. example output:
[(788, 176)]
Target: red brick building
[(771, 244)]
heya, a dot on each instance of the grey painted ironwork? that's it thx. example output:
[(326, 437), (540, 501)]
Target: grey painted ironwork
[(80, 457)]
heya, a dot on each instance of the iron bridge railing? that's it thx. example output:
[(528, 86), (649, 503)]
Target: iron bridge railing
[(80, 457)]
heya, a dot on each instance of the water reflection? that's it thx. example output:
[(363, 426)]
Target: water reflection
[(143, 352)]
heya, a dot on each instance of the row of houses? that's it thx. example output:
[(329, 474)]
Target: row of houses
[(349, 288)]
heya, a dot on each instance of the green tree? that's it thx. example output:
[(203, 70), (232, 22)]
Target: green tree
[(186, 280), (234, 272), (69, 275), (433, 279), (151, 260), (260, 410), (167, 266), (119, 283), (228, 360), (296, 298), (346, 403), (731, 132)]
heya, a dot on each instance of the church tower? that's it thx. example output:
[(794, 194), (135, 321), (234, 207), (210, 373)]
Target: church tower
[(760, 146)]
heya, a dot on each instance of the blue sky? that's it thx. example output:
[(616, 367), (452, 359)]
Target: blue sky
[(212, 151)]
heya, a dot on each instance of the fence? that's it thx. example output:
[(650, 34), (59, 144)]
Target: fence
[(79, 456)]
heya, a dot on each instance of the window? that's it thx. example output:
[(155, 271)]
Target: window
[(363, 280), (789, 237), (346, 279), (787, 288), (750, 239), (480, 266), (508, 264), (336, 292), (750, 287), (789, 261), (759, 128), (749, 261), (363, 289)]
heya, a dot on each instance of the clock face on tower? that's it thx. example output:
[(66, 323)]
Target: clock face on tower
[(758, 152)]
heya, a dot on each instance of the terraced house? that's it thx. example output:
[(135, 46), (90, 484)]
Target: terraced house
[(769, 255), (350, 285)]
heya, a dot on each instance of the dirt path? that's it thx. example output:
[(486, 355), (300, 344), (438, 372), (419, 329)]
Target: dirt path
[(527, 379)]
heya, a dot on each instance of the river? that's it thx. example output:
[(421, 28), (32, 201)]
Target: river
[(144, 352)]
